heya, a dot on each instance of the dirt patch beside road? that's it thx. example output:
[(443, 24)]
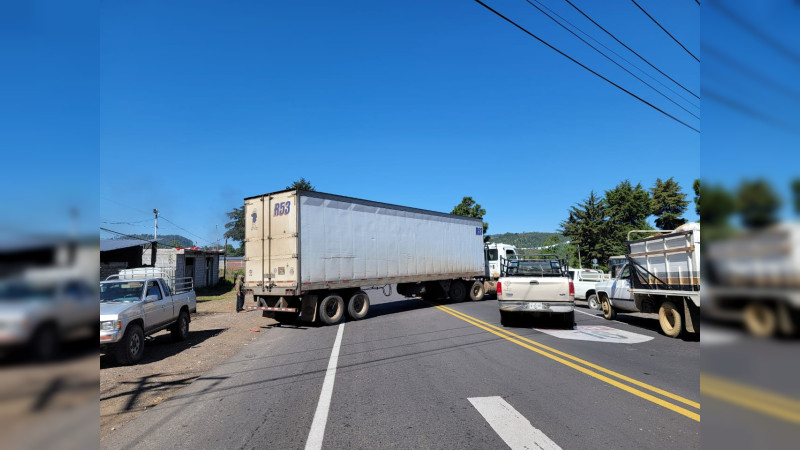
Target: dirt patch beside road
[(216, 333)]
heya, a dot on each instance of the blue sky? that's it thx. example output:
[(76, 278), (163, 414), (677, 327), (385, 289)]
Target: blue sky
[(203, 103)]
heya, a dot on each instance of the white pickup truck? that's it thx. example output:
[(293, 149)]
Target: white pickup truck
[(131, 309), (584, 281), (538, 287)]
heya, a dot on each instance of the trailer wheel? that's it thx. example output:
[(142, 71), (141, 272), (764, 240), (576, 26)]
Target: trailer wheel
[(331, 310), (457, 292), (358, 305), (669, 317), (608, 311), (760, 320), (476, 291)]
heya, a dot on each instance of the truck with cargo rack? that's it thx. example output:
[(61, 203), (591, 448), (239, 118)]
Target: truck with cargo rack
[(536, 287), (308, 254), (661, 275)]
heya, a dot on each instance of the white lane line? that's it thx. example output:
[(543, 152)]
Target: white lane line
[(588, 314), (317, 432), (512, 427)]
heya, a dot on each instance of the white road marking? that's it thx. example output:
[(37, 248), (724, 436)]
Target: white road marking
[(598, 333), (512, 427), (588, 314), (317, 432), (716, 336)]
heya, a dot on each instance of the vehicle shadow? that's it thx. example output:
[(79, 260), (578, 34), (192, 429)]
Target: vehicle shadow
[(161, 346)]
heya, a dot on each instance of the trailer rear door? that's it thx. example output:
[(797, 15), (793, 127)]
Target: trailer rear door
[(271, 240)]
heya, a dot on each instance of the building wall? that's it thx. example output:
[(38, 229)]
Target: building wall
[(174, 259)]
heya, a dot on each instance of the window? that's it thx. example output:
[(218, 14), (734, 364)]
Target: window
[(510, 254), (153, 289), (492, 254)]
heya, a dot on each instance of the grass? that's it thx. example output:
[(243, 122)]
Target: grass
[(222, 291)]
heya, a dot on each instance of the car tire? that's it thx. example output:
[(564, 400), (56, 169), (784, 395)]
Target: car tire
[(45, 343), (476, 291), (670, 319), (130, 349), (608, 311), (506, 318), (592, 302), (331, 310), (180, 330), (358, 305)]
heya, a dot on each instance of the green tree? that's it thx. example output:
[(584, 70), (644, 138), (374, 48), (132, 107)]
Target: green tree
[(301, 184), (758, 204), (469, 208), (627, 208), (696, 187), (669, 204), (796, 195), (175, 243), (585, 228), (235, 228)]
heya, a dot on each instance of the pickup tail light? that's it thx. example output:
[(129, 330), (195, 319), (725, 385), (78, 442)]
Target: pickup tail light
[(499, 288), (571, 290)]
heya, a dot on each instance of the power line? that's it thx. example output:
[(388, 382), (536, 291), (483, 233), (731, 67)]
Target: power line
[(616, 54), (698, 2), (587, 68), (149, 241), (665, 31), (632, 50), (125, 223), (611, 59)]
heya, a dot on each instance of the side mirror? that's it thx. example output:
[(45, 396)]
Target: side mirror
[(151, 298)]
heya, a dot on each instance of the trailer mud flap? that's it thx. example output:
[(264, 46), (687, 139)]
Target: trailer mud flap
[(308, 309)]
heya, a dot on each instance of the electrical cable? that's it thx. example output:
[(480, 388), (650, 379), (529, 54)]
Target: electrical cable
[(631, 50), (665, 31), (612, 60), (586, 67)]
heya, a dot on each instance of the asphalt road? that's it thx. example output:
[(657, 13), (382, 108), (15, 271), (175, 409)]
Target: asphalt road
[(414, 375)]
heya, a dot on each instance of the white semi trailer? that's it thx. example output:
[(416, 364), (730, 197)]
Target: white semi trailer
[(308, 254)]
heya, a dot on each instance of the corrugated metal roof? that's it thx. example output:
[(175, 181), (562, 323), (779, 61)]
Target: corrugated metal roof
[(116, 244)]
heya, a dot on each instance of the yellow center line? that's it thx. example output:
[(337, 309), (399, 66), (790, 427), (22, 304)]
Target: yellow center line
[(680, 410), (765, 402), (641, 384)]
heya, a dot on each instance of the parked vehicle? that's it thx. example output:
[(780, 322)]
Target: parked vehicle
[(585, 281), (308, 254), (754, 279), (135, 307), (662, 275), (37, 313), (536, 286)]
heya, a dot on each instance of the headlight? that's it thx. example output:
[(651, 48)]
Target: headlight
[(110, 325)]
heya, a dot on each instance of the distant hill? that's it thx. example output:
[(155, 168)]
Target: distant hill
[(524, 240), (168, 240)]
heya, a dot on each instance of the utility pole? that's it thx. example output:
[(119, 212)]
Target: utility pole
[(225, 260), (155, 229)]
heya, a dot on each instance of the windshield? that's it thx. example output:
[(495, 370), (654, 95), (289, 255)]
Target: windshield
[(534, 268), (20, 290), (121, 291)]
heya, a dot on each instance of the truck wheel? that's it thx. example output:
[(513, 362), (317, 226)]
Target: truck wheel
[(131, 348), (476, 291), (608, 311), (669, 317), (358, 305), (457, 292), (331, 310), (180, 331), (760, 320), (592, 301)]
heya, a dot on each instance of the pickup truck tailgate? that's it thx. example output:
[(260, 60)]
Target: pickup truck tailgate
[(536, 289)]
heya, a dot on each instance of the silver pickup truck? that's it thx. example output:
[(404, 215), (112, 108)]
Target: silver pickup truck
[(131, 309), (539, 287)]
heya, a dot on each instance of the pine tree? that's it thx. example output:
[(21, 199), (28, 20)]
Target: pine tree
[(301, 184), (627, 208), (796, 195), (758, 204), (669, 204), (585, 227), (696, 187), (236, 226)]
